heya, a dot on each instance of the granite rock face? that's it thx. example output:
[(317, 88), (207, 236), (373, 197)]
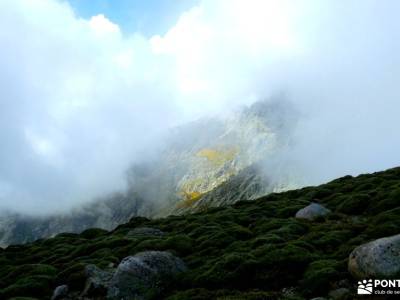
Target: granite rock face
[(377, 259)]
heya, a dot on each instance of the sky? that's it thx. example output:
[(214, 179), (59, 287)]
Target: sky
[(148, 17), (87, 87)]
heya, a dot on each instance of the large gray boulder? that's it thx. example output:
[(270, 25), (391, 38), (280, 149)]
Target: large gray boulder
[(312, 211), (377, 259), (144, 275)]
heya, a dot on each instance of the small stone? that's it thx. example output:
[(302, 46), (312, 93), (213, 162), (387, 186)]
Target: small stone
[(288, 292), (60, 292), (312, 211)]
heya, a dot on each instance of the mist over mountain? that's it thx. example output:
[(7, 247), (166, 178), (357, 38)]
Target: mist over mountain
[(82, 101), (211, 162)]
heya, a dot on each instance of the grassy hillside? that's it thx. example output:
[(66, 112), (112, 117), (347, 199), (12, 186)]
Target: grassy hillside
[(251, 250)]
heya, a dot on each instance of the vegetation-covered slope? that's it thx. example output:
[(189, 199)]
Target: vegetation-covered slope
[(250, 250)]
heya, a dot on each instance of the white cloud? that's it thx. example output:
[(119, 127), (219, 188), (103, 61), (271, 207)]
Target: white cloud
[(102, 26), (77, 95)]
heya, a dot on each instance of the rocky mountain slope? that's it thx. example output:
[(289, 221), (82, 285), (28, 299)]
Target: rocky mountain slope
[(208, 163), (299, 244), (107, 213)]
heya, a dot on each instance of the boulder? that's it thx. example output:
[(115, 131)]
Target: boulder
[(97, 281), (144, 232), (312, 211), (144, 275), (60, 292), (377, 259)]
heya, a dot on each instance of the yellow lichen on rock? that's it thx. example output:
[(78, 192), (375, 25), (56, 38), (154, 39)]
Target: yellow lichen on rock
[(189, 199), (218, 157), (210, 168)]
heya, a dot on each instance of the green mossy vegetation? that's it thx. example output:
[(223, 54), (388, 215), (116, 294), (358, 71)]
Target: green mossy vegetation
[(250, 250)]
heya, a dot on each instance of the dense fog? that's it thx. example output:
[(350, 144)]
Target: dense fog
[(81, 100)]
